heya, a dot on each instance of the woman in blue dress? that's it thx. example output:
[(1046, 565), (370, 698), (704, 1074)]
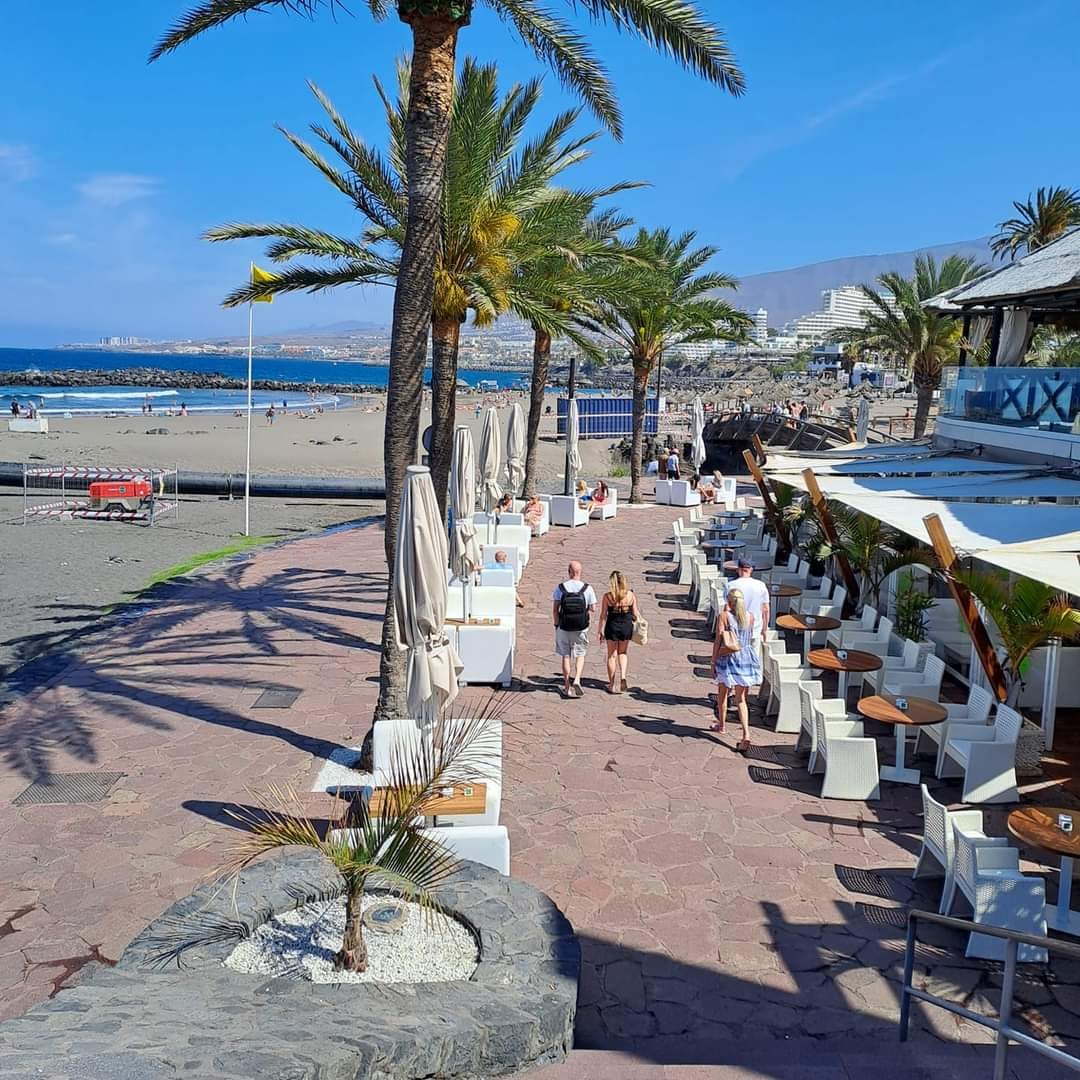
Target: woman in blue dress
[(735, 672)]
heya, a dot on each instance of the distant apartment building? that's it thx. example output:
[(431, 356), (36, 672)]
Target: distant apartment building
[(702, 350), (123, 340), (842, 308), (760, 333)]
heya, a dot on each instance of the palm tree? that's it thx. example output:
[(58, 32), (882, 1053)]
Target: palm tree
[(873, 550), (500, 210), (675, 27), (1054, 211), (392, 850), (898, 325), (661, 300), (566, 275), (1026, 615)]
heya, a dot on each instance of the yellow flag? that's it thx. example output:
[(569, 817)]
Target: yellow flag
[(261, 277)]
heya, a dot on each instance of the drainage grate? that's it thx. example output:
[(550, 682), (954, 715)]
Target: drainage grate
[(79, 787), (276, 699)]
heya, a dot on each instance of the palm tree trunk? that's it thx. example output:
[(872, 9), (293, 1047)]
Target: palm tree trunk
[(353, 953), (924, 396), (540, 364), (444, 357), (427, 129), (641, 389)]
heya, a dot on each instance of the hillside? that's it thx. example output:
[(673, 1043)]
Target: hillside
[(788, 293)]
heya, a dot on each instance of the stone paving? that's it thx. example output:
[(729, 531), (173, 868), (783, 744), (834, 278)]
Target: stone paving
[(720, 903)]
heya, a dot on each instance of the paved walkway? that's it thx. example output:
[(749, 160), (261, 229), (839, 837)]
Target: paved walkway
[(722, 905)]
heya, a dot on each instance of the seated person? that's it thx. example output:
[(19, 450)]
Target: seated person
[(533, 512), (600, 493), (708, 492), (505, 505), (503, 563), (584, 496)]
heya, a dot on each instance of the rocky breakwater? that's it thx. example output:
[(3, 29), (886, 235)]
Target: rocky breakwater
[(173, 380)]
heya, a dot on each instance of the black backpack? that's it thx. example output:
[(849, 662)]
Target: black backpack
[(573, 611)]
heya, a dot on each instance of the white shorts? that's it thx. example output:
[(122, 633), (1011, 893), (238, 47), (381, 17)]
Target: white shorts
[(571, 642)]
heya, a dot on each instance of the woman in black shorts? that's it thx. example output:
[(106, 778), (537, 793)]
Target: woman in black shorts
[(618, 613)]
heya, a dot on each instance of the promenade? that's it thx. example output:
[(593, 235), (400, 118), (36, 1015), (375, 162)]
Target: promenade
[(723, 907)]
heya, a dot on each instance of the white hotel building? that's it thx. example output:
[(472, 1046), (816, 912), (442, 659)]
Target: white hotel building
[(841, 309)]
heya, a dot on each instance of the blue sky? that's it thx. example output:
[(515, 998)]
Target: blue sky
[(865, 128)]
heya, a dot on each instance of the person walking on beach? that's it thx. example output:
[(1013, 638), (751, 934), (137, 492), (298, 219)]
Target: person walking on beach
[(618, 613), (735, 663), (270, 416), (572, 605)]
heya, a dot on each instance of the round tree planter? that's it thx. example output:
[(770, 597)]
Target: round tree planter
[(170, 1008)]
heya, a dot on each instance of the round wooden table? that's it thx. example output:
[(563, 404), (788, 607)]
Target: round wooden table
[(791, 621), (1037, 826), (778, 593), (827, 660), (920, 712)]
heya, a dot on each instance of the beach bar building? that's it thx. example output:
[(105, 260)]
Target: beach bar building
[(1000, 476)]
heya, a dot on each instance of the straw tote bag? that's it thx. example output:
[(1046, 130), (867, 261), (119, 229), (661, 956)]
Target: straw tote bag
[(640, 635), (729, 641)]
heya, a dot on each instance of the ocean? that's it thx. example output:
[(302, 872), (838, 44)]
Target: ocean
[(118, 398)]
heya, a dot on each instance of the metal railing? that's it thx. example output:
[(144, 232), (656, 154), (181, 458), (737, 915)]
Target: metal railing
[(1002, 1026)]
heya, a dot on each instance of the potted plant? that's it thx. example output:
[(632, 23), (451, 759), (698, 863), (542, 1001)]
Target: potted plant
[(912, 605)]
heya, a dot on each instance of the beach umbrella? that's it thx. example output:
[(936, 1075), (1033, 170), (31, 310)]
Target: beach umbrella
[(697, 433), (515, 449), (490, 460), (465, 556), (862, 423), (432, 664), (573, 458)]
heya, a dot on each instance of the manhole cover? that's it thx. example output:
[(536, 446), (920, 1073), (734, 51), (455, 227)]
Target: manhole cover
[(276, 699), (384, 917), (83, 787)]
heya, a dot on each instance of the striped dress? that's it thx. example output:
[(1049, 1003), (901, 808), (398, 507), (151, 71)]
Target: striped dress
[(742, 668)]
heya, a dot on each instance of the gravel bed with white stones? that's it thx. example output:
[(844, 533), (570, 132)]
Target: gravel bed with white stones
[(301, 944)]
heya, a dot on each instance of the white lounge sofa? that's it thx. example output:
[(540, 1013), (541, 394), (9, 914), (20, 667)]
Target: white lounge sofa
[(681, 494), (567, 511), (606, 509), (488, 845)]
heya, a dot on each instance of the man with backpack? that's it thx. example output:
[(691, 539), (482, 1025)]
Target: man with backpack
[(572, 605)]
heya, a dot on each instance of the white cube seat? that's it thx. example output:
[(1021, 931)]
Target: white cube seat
[(567, 512)]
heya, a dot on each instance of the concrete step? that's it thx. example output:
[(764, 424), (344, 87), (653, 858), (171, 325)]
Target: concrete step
[(799, 1059)]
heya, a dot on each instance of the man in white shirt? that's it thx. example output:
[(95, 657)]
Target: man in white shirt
[(572, 606), (673, 465), (756, 596)]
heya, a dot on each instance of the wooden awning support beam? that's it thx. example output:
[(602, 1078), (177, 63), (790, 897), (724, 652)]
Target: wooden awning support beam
[(969, 611), (771, 509), (828, 527), (759, 448)]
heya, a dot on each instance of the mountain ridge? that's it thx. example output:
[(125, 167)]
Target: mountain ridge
[(795, 291)]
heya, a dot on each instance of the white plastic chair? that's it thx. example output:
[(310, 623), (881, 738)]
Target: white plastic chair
[(939, 845), (789, 711), (848, 758), (923, 684), (986, 754), (811, 597), (975, 711), (988, 875), (607, 509)]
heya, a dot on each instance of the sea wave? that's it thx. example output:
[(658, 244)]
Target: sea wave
[(111, 395)]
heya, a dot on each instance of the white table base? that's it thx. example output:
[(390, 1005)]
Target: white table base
[(897, 773), (1061, 916)]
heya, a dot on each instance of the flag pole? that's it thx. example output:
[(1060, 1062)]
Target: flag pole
[(247, 463)]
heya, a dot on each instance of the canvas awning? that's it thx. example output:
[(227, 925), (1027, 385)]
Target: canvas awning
[(1014, 485), (893, 466), (1041, 542)]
